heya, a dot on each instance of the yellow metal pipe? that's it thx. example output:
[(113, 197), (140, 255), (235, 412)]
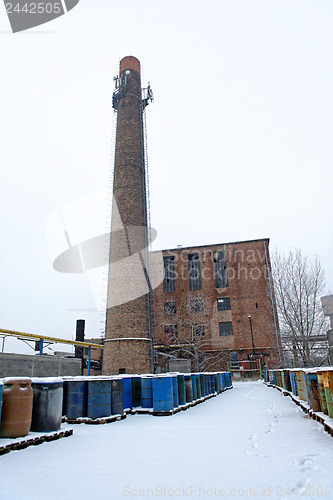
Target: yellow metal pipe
[(52, 339)]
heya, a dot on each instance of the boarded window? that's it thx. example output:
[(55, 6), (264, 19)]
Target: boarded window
[(194, 275), (223, 304), (170, 308), (225, 328), (169, 283), (196, 306), (198, 331), (220, 270), (170, 334), (234, 360)]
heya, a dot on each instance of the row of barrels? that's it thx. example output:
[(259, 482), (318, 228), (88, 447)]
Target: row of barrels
[(38, 405), (311, 385), (94, 397)]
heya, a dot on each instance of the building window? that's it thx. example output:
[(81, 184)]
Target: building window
[(220, 270), (225, 328), (170, 308), (194, 275), (169, 283), (170, 334), (223, 304), (196, 306), (198, 331)]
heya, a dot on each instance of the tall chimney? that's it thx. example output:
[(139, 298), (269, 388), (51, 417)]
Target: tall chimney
[(127, 347)]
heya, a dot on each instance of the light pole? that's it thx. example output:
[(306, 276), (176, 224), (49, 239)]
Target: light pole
[(249, 316)]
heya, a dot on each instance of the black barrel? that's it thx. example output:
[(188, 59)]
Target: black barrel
[(47, 404), (117, 396)]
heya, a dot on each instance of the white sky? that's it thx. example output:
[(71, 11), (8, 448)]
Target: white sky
[(239, 136)]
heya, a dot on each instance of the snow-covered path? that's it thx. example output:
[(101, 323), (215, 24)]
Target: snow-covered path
[(250, 442)]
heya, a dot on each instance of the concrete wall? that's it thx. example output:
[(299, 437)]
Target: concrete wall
[(21, 365)]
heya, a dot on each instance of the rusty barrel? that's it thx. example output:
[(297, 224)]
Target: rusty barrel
[(16, 407), (47, 404)]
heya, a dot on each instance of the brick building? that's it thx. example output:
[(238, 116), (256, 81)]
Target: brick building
[(216, 300)]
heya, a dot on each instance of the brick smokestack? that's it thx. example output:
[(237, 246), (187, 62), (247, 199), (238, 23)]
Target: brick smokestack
[(127, 347)]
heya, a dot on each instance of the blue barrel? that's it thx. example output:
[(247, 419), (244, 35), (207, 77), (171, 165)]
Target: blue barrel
[(136, 391), (216, 382), (175, 390), (99, 398), (127, 386), (272, 377), (220, 381), (147, 392), (229, 381), (47, 404), (117, 396), (212, 383), (188, 388), (162, 393), (181, 390), (194, 386), (203, 385), (76, 398)]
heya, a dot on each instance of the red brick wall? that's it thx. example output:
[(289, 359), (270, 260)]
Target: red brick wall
[(249, 293)]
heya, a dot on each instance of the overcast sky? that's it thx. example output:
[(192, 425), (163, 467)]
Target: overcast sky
[(239, 137)]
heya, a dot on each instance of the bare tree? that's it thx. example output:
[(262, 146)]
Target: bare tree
[(299, 283), (191, 338)]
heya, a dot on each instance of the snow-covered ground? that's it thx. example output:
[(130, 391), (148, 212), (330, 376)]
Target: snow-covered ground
[(250, 442)]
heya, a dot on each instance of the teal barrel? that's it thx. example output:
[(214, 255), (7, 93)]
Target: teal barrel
[(147, 392), (212, 382), (117, 396), (203, 385), (127, 386), (313, 391), (197, 381), (207, 385), (293, 382), (198, 385), (47, 404), (188, 388), (181, 389), (194, 386), (99, 398), (229, 379), (75, 398), (175, 390), (162, 394), (136, 391)]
